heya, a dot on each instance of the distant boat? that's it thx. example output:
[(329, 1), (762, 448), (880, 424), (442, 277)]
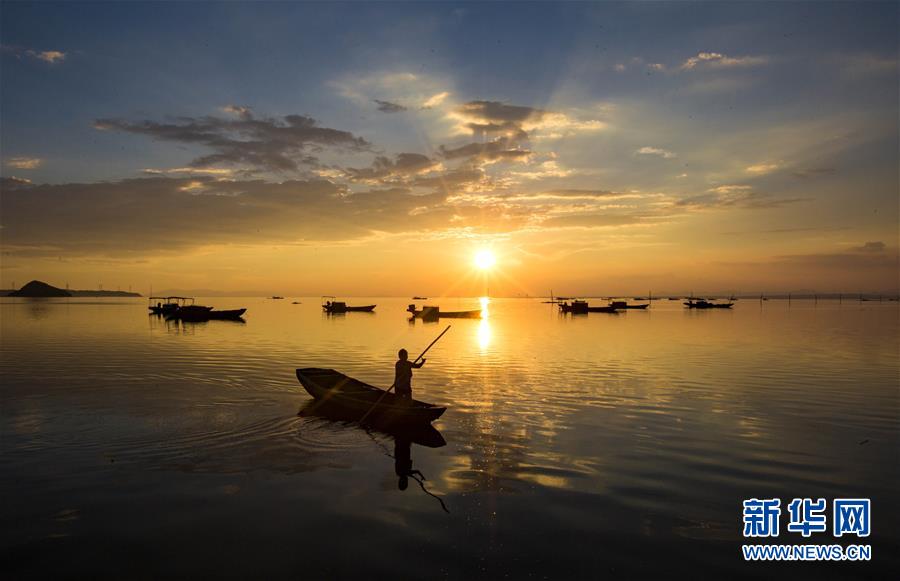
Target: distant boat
[(674, 299), (704, 304), (430, 313), (335, 307), (296, 303), (420, 298), (619, 305), (359, 398), (276, 298), (167, 305), (195, 313), (581, 307)]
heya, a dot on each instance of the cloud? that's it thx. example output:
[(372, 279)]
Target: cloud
[(388, 107), (24, 162), (435, 100), (390, 88), (763, 168), (48, 56), (717, 60), (159, 214), (501, 149), (870, 247), (12, 182), (402, 165), (212, 171), (862, 65), (853, 260), (735, 196), (730, 189), (261, 144), (655, 151)]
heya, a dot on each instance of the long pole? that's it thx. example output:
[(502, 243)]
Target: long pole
[(421, 355)]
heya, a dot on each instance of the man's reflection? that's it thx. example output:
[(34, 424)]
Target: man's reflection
[(403, 462)]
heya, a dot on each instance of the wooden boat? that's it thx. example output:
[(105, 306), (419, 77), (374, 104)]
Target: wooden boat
[(704, 304), (582, 307), (332, 306), (166, 305), (619, 305), (355, 397), (196, 313), (430, 313)]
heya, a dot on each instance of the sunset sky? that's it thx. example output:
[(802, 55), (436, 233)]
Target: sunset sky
[(375, 148)]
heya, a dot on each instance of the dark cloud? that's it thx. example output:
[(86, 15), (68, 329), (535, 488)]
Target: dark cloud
[(813, 172), (263, 144), (574, 193), (388, 107), (870, 247), (449, 182), (845, 261), (501, 124), (385, 168), (11, 183), (496, 112), (499, 149), (741, 199), (137, 217)]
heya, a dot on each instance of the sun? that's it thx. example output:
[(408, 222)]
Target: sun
[(485, 259)]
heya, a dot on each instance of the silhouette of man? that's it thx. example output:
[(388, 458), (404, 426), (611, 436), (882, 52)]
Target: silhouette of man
[(403, 374)]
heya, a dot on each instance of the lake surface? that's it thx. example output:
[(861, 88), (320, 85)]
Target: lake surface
[(597, 446)]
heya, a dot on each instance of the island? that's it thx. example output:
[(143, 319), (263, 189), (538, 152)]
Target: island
[(40, 289)]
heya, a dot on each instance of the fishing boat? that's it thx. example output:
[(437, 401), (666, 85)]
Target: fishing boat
[(166, 305), (195, 313), (430, 313), (332, 306), (420, 298), (276, 298), (620, 305), (332, 387), (704, 304), (578, 307)]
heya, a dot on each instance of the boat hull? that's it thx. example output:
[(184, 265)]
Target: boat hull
[(356, 398), (335, 310), (434, 313), (195, 314)]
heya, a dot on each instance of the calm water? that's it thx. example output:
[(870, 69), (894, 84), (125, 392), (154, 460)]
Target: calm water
[(577, 447)]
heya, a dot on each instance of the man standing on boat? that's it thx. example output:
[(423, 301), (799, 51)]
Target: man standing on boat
[(403, 374)]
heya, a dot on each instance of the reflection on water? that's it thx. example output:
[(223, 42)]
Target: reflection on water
[(574, 445)]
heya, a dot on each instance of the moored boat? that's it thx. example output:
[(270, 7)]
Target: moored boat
[(332, 307), (196, 313), (578, 307), (334, 388), (704, 304), (621, 305), (166, 305), (430, 313)]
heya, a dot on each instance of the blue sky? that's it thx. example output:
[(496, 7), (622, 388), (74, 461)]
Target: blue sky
[(737, 119)]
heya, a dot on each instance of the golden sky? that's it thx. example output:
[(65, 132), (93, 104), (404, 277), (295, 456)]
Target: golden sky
[(593, 149)]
